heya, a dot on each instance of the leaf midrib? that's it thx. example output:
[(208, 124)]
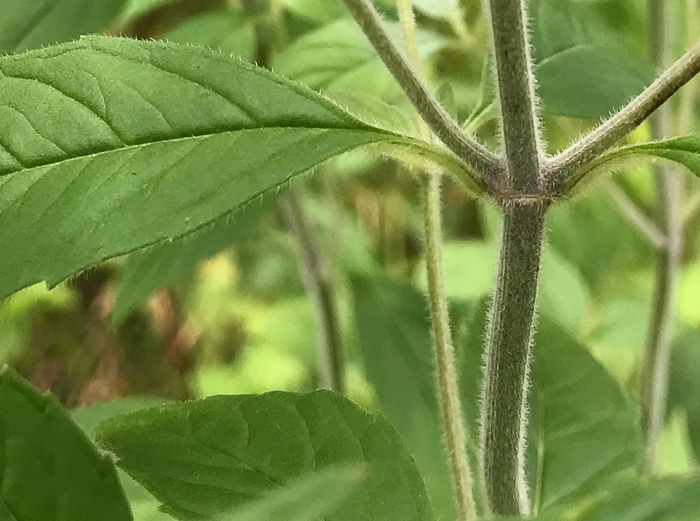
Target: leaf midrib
[(126, 148)]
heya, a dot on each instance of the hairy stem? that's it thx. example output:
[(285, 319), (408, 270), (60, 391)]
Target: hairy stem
[(566, 164), (445, 359), (658, 346), (319, 286), (514, 80), (505, 386), (482, 162), (504, 394)]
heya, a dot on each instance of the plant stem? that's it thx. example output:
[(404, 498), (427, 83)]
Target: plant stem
[(565, 165), (658, 348), (477, 157), (504, 393), (508, 349), (515, 85), (445, 359), (320, 289)]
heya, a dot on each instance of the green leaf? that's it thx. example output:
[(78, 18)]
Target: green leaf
[(49, 469), (87, 418), (588, 429), (28, 25), (589, 81), (317, 10), (626, 498), (683, 150), (305, 499), (583, 68), (137, 8), (339, 58), (394, 335), (563, 295), (617, 244), (684, 374), (227, 31), (110, 145), (143, 505), (206, 457), (147, 270)]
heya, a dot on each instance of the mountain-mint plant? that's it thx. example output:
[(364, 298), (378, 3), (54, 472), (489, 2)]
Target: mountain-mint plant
[(111, 145)]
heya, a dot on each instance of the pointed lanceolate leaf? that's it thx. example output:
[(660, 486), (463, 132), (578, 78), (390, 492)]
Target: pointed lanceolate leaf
[(683, 150), (49, 470), (108, 145), (394, 335), (207, 457), (29, 24), (588, 429), (626, 497)]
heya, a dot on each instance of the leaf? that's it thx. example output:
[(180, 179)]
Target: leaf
[(110, 145), (583, 68), (136, 8), (227, 31), (617, 244), (626, 498), (48, 468), (563, 295), (143, 505), (87, 418), (581, 427), (588, 429), (305, 499), (683, 390), (394, 335), (589, 81), (32, 24), (683, 150), (147, 270), (206, 457), (317, 10), (339, 58)]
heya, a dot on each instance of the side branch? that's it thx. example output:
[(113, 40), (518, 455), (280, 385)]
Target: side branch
[(477, 157), (319, 287), (564, 166)]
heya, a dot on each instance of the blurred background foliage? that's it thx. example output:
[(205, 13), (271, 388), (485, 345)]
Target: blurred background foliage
[(227, 310)]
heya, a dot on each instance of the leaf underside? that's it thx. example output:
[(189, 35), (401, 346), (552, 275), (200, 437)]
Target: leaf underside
[(108, 145)]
